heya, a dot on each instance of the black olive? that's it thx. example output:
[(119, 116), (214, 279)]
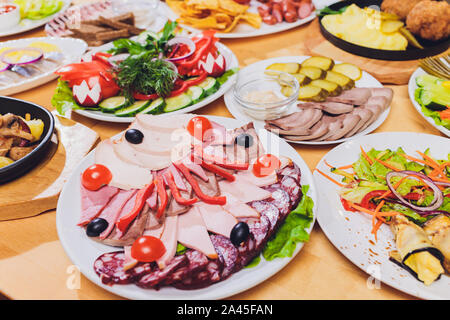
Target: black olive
[(134, 136), (239, 233), (96, 226), (244, 140)]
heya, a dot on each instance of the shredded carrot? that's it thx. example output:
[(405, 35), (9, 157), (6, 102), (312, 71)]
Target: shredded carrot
[(387, 165), (329, 165), (346, 167), (440, 179), (375, 229), (380, 205), (415, 159), (431, 161), (365, 155), (445, 114), (329, 178), (381, 214)]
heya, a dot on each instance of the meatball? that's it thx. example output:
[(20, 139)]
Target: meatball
[(430, 20), (399, 7)]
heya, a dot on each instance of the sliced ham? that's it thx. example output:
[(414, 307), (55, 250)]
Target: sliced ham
[(152, 201), (256, 149), (169, 238), (218, 135), (238, 208), (155, 232), (177, 178), (114, 208), (124, 175), (192, 233), (243, 190), (216, 218), (129, 261), (93, 202), (248, 176), (158, 124), (196, 169)]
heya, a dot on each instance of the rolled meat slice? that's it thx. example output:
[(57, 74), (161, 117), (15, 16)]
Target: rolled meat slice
[(415, 252)]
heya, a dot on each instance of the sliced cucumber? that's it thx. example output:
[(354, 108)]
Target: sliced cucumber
[(113, 104), (179, 102), (133, 109), (210, 85), (155, 107), (197, 93)]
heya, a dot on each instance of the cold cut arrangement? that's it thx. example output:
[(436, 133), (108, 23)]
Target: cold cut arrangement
[(189, 201)]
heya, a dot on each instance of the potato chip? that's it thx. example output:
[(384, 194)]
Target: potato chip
[(221, 15)]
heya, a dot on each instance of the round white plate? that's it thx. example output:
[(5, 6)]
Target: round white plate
[(231, 63), (72, 49), (412, 86), (27, 24), (236, 110), (83, 251), (243, 30), (350, 231)]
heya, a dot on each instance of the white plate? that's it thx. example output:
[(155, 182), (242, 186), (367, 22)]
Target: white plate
[(350, 231), (231, 63), (27, 24), (243, 30), (412, 86), (236, 110), (72, 49), (83, 251)]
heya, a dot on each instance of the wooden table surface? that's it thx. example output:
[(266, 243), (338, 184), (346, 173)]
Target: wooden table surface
[(33, 264)]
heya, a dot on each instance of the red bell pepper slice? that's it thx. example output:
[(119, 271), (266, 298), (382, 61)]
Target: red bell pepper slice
[(141, 96), (141, 196), (217, 170), (366, 201), (175, 192), (161, 189), (185, 85), (221, 200), (347, 206)]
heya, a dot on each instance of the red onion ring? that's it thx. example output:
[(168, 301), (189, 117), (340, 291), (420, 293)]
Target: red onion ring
[(4, 59), (182, 40), (438, 196)]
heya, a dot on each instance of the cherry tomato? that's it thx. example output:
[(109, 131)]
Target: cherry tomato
[(147, 249), (266, 165), (198, 126), (95, 177)]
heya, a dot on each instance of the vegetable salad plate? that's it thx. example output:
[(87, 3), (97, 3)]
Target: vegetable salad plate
[(333, 105), (433, 117), (244, 30), (209, 269), (35, 14), (31, 62), (382, 222)]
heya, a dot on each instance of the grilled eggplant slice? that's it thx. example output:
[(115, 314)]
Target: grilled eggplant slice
[(345, 82), (319, 62), (415, 252), (313, 73), (290, 67), (332, 88), (438, 229)]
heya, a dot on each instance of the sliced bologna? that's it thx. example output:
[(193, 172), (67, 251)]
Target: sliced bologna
[(109, 267)]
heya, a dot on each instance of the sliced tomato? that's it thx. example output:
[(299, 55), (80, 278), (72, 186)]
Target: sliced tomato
[(147, 249), (198, 126), (95, 177), (266, 165)]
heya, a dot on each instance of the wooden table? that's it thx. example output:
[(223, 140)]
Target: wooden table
[(33, 264)]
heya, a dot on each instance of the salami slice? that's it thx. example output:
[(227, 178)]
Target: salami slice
[(155, 278), (291, 186), (268, 210), (259, 230), (209, 275), (292, 171), (109, 267), (281, 199), (227, 252), (197, 262)]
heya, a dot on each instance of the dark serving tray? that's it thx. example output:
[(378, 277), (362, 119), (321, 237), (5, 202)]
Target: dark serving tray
[(20, 108), (431, 48)]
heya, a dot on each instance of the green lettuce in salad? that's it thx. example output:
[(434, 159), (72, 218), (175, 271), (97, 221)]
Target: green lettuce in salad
[(38, 9)]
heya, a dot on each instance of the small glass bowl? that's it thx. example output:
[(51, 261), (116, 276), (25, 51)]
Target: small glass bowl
[(265, 85)]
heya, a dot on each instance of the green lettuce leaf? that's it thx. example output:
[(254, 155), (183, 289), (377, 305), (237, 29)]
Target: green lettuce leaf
[(292, 231), (63, 99), (223, 78)]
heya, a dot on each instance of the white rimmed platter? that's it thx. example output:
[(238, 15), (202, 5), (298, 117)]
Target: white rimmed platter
[(27, 24), (72, 49), (350, 232), (236, 110), (83, 251), (243, 30), (231, 63), (412, 86)]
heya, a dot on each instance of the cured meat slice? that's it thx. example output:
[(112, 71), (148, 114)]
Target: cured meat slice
[(256, 149), (197, 262), (355, 96), (157, 277), (109, 267), (243, 190), (259, 229), (114, 208), (228, 254), (192, 233), (238, 208), (207, 276), (280, 199), (217, 219), (387, 93), (292, 187), (268, 210), (248, 176), (169, 238), (291, 171), (93, 202), (129, 262)]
